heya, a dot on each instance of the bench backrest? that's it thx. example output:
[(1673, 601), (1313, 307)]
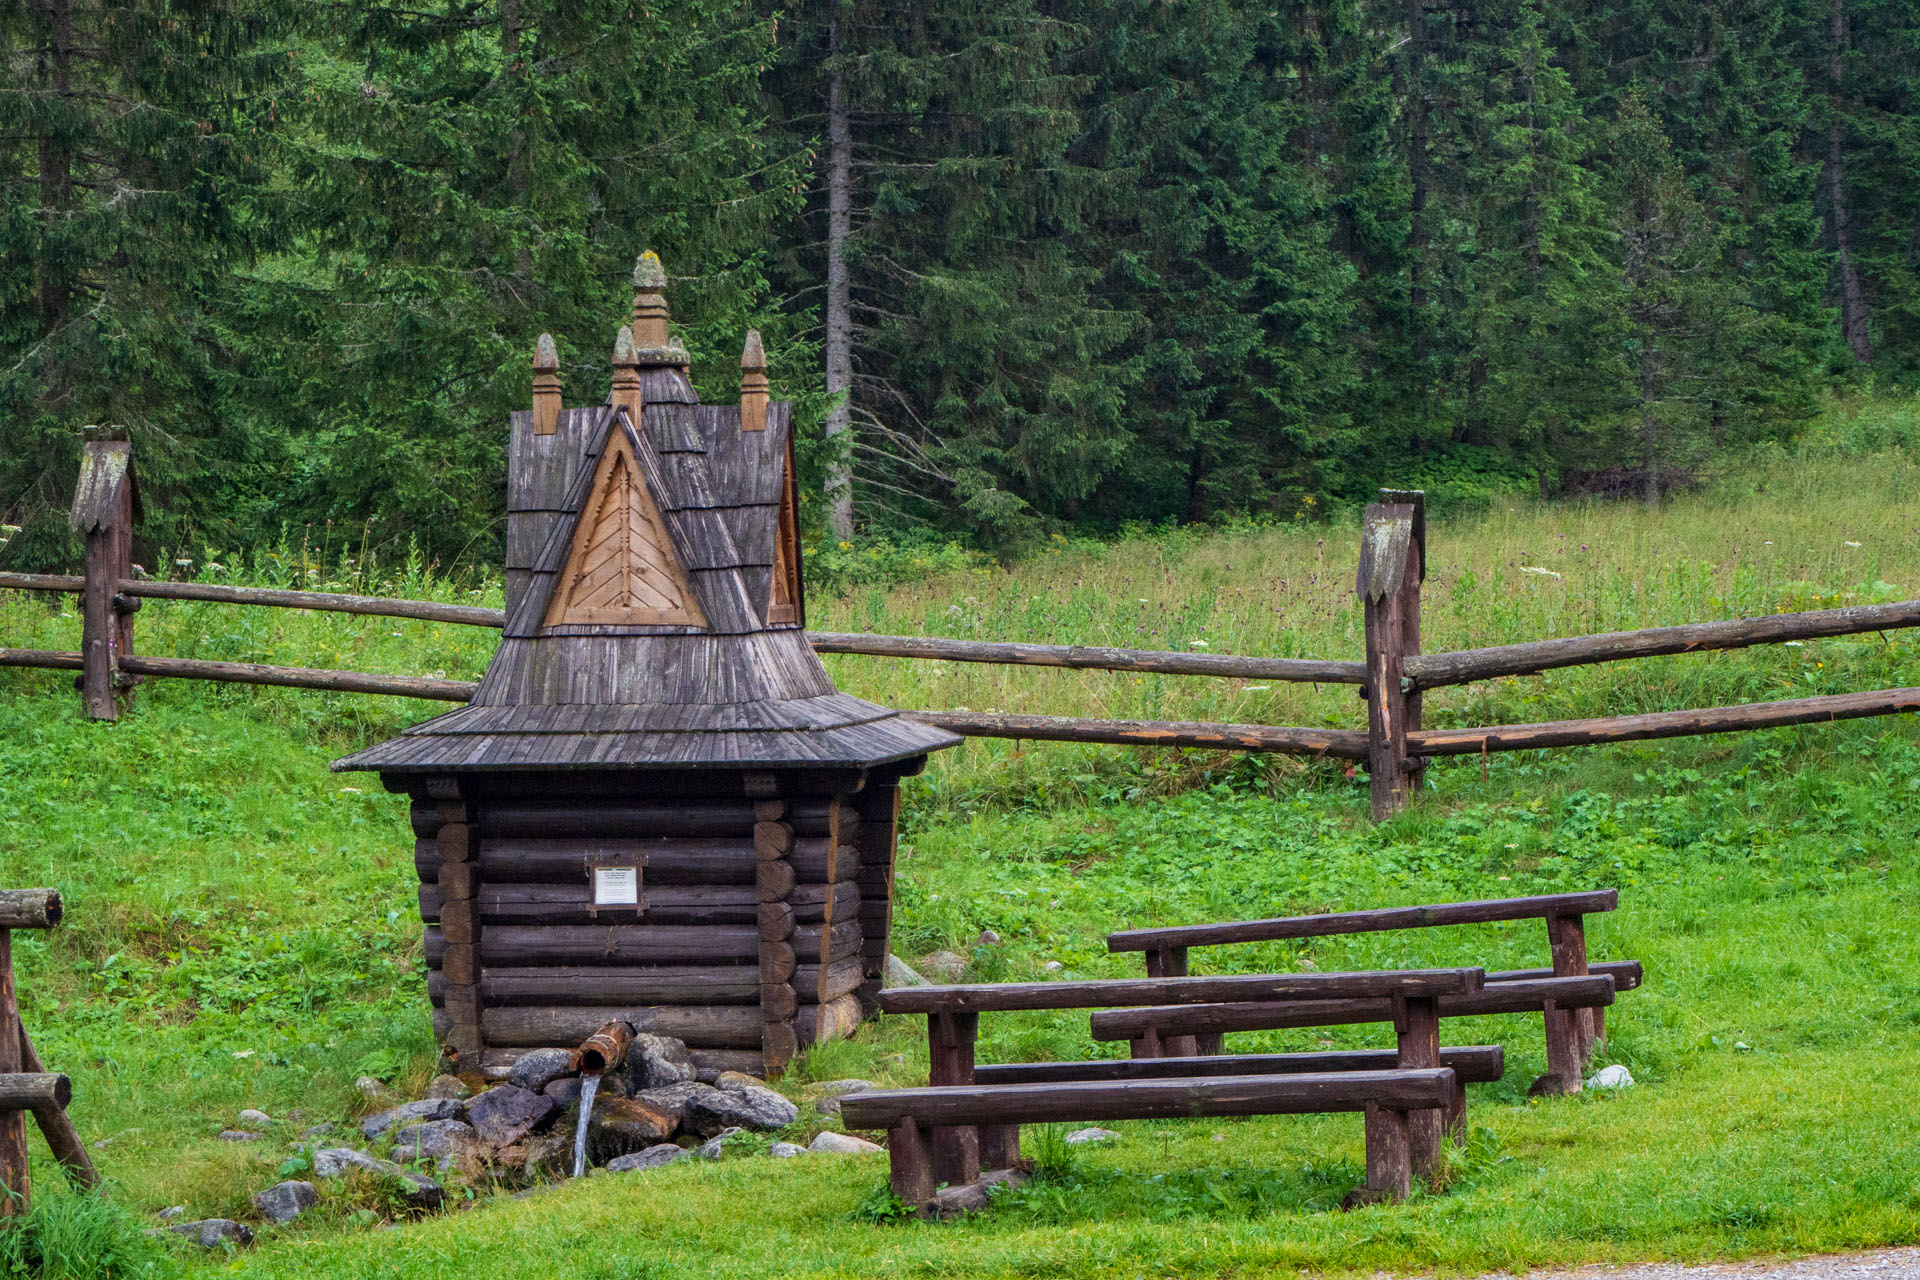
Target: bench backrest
[(1473, 1064), (1345, 922), (1524, 996), (1109, 993)]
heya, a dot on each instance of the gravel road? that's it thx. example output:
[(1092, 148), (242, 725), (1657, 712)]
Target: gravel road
[(1877, 1264)]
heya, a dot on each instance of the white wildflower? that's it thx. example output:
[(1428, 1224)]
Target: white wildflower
[(1196, 644), (1850, 544), (1544, 573)]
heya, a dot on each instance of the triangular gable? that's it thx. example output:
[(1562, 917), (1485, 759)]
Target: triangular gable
[(621, 568)]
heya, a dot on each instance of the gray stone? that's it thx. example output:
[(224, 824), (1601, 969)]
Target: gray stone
[(285, 1201), (786, 1150), (655, 1062), (441, 1141), (211, 1233), (417, 1189), (1081, 1137), (950, 1201), (651, 1158), (988, 938), (504, 1115), (740, 1100), (621, 1126), (944, 966), (251, 1119), (239, 1135), (372, 1088), (565, 1090), (902, 974), (451, 1088), (318, 1131), (536, 1070), (827, 1142), (1613, 1077), (715, 1147), (173, 1211), (1053, 966), (410, 1113), (833, 1090)]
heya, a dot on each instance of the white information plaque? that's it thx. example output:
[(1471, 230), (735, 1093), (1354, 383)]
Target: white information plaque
[(616, 886)]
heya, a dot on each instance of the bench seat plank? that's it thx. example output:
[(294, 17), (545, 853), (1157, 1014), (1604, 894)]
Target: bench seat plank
[(1477, 1064), (1248, 1095), (1345, 922), (1522, 996), (1110, 993), (1626, 974)]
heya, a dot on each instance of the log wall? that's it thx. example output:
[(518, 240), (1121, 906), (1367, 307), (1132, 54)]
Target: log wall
[(763, 926)]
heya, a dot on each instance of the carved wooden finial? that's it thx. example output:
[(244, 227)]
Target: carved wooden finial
[(546, 386), (649, 303), (626, 375), (753, 384)]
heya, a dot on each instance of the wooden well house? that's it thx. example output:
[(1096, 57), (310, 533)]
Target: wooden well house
[(657, 808)]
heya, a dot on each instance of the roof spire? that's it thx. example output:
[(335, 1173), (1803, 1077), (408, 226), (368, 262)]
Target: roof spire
[(546, 386), (626, 375), (649, 303), (753, 384)]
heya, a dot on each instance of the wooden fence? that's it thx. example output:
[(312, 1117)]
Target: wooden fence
[(26, 1086), (1393, 747)]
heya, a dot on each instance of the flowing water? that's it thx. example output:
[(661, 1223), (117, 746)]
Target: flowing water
[(589, 1085)]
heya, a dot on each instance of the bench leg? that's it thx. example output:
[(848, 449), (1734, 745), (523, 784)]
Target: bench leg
[(1171, 962), (1563, 1054), (1146, 1046), (956, 1149), (1389, 1158), (1456, 1114), (911, 1162), (999, 1146), (1419, 1037), (1210, 1044), (1567, 935)]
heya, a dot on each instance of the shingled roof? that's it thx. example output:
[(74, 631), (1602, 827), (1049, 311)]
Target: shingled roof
[(638, 633)]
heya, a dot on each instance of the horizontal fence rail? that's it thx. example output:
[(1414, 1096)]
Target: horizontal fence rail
[(1392, 749)]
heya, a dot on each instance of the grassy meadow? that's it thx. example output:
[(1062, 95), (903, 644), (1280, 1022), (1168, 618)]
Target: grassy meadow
[(240, 927)]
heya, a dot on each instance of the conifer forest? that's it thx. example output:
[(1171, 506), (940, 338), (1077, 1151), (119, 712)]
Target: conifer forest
[(1027, 266)]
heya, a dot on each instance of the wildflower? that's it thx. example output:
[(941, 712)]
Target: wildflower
[(1544, 573), (1143, 599), (1851, 544), (353, 790), (1256, 688), (1794, 644), (1196, 644), (183, 563)]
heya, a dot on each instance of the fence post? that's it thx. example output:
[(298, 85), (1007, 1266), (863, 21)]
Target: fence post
[(1392, 535), (105, 507)]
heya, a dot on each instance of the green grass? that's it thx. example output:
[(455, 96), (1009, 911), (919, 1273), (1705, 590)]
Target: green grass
[(240, 927)]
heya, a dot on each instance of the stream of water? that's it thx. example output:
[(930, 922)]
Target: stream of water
[(589, 1085)]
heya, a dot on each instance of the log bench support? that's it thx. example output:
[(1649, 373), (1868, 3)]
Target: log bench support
[(26, 1086), (912, 1117)]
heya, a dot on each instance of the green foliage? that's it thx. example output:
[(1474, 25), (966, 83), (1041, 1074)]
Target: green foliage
[(65, 1236)]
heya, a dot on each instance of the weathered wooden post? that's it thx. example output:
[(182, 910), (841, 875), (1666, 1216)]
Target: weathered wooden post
[(105, 507), (24, 1085), (1392, 566)]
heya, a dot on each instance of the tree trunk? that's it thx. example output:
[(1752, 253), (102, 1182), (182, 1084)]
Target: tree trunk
[(1417, 237), (1649, 429), (1853, 300), (56, 166), (517, 177), (839, 300)]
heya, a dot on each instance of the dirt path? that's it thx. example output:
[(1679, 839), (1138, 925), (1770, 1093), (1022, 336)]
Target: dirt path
[(1877, 1264)]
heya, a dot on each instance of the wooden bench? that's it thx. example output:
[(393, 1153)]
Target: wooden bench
[(1571, 1031), (1149, 1026), (914, 1118), (959, 1145)]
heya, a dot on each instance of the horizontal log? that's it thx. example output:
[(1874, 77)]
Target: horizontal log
[(1478, 1064), (299, 677), (1090, 657), (326, 601), (1248, 1095), (47, 658), (735, 1026), (29, 908), (1345, 744), (1106, 993), (841, 978), (1431, 670), (42, 582), (1212, 1019), (666, 904), (730, 818), (746, 1061), (834, 1020), (1335, 923), (1626, 974), (545, 946), (34, 1092), (662, 984), (1663, 724)]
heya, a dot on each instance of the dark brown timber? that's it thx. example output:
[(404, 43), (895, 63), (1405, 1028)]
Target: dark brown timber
[(1344, 922), (300, 677), (57, 1128), (1148, 991), (29, 908), (327, 601), (1473, 1065), (30, 1091), (1346, 744)]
